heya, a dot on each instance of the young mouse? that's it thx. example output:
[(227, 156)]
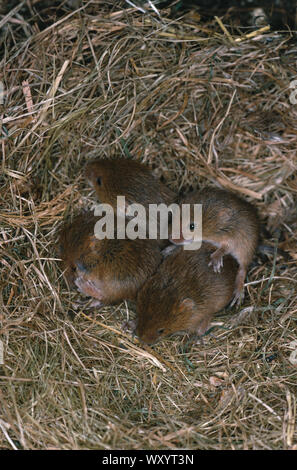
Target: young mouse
[(129, 178), (136, 182), (109, 270), (184, 294), (230, 224)]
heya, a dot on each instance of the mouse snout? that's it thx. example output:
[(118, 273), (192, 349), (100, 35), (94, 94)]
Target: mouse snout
[(88, 287), (146, 340), (146, 337)]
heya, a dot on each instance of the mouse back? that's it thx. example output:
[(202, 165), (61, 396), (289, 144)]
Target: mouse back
[(120, 177), (183, 294), (223, 212), (74, 240), (109, 269)]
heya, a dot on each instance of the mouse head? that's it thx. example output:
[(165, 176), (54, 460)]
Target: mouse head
[(185, 235), (186, 225), (118, 174), (100, 174), (156, 320), (125, 177)]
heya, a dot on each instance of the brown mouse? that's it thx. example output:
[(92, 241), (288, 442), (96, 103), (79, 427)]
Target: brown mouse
[(134, 180), (109, 270), (184, 294), (230, 224)]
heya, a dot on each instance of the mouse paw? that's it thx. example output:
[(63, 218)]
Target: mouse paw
[(96, 303), (216, 262), (86, 304), (129, 326), (238, 295), (87, 287), (202, 328), (238, 298), (197, 339)]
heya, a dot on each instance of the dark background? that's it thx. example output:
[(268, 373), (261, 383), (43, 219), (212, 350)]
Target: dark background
[(280, 14)]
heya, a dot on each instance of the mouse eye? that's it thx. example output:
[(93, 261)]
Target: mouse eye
[(160, 331), (99, 181), (192, 225)]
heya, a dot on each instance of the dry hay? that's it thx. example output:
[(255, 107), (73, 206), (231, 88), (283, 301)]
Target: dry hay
[(202, 110)]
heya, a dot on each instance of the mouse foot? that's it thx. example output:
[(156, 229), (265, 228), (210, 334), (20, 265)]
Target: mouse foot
[(88, 287), (129, 326), (216, 261), (238, 298), (199, 339), (79, 304), (96, 303), (202, 327), (238, 295)]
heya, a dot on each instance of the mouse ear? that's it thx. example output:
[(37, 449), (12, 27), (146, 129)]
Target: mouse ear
[(225, 214), (186, 305)]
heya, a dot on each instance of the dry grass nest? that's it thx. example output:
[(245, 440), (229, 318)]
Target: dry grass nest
[(200, 107)]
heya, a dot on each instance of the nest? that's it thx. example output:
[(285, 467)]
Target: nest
[(202, 107)]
